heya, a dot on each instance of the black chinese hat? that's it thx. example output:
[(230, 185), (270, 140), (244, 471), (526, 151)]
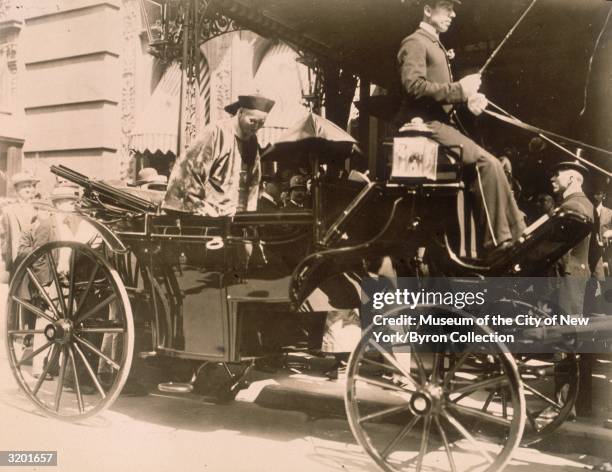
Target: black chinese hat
[(253, 102)]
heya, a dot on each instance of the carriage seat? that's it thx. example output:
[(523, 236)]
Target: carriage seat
[(540, 246)]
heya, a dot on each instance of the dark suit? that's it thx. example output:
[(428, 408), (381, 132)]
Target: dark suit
[(573, 268), (266, 205), (602, 222), (430, 93)]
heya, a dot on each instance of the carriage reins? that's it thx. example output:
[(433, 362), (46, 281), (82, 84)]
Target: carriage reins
[(507, 117), (545, 135)]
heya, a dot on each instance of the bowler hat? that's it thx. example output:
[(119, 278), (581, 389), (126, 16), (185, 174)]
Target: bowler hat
[(148, 175), (22, 177), (252, 102), (297, 181)]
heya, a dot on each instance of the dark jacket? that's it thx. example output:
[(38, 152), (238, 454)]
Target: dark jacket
[(576, 261), (266, 205), (427, 82)]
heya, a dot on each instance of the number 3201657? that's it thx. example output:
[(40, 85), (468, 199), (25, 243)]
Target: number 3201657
[(29, 458)]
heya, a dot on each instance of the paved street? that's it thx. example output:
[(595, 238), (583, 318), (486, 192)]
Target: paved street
[(162, 432)]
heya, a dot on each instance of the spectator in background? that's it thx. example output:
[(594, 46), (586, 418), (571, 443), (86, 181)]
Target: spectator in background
[(149, 179), (545, 204), (269, 197), (16, 219), (298, 193)]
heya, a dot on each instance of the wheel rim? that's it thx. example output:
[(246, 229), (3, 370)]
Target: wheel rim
[(428, 410), (79, 329), (550, 380)]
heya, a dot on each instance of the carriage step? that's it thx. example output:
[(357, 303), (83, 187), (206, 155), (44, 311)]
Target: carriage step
[(175, 387), (147, 354)]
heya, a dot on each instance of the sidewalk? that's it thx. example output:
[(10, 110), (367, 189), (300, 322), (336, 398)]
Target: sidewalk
[(319, 397)]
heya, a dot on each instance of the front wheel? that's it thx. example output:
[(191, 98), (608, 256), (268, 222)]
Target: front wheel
[(70, 333), (434, 406)]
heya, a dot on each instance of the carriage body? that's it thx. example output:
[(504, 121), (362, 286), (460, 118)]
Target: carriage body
[(223, 291)]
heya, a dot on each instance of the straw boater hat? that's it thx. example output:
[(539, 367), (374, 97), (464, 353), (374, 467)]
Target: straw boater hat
[(252, 102), (64, 192), (22, 177), (148, 175)]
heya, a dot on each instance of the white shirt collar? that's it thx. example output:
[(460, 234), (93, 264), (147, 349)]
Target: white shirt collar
[(430, 29)]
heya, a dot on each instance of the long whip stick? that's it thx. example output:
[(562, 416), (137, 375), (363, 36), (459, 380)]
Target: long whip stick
[(509, 118), (500, 45)]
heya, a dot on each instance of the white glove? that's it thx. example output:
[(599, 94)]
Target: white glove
[(471, 84), (477, 103)]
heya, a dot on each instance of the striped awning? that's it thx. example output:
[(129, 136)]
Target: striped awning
[(157, 126)]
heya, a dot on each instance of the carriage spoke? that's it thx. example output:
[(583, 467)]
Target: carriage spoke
[(424, 442), (466, 434), (381, 365), (43, 292), (435, 367), (60, 379), (71, 284), (33, 353), (498, 381), (77, 385), (480, 414), (453, 370), (56, 281), (401, 435), (84, 295), (419, 364), (540, 395), (488, 400), (392, 360), (385, 412), (447, 447), (90, 371), (95, 350), (381, 384), (45, 371), (504, 401), (103, 304), (35, 310)]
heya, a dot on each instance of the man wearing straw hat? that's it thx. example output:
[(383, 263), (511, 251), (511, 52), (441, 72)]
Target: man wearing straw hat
[(17, 218), (219, 174)]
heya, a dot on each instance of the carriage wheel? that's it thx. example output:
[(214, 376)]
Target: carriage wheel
[(550, 380), (433, 406), (70, 334)]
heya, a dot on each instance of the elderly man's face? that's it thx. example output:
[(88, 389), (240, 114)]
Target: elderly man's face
[(26, 191), (562, 180), (250, 121), (440, 16)]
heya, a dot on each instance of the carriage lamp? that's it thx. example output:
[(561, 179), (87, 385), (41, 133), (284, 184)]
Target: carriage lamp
[(415, 154)]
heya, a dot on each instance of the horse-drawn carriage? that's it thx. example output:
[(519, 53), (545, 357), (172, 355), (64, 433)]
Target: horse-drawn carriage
[(225, 291)]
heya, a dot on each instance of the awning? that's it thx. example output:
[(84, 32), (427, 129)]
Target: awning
[(156, 127)]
